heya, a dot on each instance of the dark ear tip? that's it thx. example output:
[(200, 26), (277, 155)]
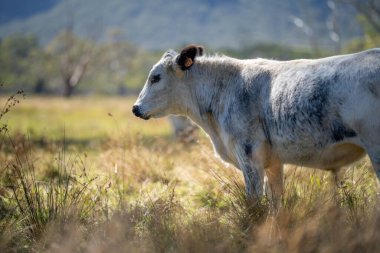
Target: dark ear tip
[(197, 49)]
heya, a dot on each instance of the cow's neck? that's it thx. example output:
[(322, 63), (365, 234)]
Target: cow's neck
[(211, 82)]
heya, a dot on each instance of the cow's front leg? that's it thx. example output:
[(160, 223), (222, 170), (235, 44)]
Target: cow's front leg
[(250, 159)]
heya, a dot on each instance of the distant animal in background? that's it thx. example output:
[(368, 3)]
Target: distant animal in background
[(261, 114), (184, 129)]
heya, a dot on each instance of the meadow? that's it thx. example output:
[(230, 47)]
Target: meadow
[(85, 175)]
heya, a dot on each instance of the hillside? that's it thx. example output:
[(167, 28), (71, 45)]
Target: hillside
[(22, 9), (160, 24)]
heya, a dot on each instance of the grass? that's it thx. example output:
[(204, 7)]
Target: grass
[(84, 175)]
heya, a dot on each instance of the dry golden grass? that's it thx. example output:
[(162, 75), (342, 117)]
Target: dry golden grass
[(84, 175)]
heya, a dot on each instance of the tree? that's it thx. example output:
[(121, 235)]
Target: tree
[(72, 53), (73, 56)]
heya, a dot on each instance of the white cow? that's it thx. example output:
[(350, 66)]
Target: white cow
[(261, 114)]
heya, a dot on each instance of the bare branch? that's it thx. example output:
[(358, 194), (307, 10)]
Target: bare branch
[(370, 9), (79, 71)]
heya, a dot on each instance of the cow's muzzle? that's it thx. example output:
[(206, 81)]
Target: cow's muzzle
[(137, 112)]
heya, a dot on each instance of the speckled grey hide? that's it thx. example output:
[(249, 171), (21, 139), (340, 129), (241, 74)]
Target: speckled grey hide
[(261, 114)]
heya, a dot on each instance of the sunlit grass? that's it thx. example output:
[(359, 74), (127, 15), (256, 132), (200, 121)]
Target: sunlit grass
[(84, 118)]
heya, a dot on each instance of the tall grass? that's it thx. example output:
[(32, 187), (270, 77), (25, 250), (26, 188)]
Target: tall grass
[(62, 195)]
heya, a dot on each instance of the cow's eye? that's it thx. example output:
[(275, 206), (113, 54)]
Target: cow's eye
[(155, 79)]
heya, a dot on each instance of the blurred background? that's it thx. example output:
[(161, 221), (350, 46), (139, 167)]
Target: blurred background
[(71, 47)]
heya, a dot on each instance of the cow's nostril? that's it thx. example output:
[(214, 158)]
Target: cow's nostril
[(136, 110)]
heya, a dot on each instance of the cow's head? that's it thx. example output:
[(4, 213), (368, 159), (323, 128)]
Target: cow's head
[(161, 93)]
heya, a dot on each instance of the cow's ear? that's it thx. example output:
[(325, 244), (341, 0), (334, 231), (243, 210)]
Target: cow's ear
[(187, 56)]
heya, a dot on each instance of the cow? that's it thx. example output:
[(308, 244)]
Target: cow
[(261, 114)]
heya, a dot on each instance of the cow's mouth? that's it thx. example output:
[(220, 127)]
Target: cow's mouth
[(145, 117)]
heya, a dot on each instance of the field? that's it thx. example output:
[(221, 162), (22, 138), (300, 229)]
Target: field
[(85, 175)]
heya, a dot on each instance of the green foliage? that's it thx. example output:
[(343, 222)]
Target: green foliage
[(117, 66), (113, 67), (16, 55), (371, 38)]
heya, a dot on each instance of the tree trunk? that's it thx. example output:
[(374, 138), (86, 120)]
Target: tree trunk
[(68, 91)]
